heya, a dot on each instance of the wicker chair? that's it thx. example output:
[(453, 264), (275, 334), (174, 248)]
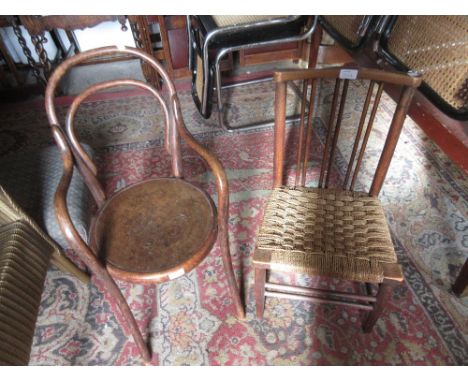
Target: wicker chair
[(330, 231), (25, 254)]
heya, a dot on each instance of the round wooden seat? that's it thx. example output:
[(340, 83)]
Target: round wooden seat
[(154, 231)]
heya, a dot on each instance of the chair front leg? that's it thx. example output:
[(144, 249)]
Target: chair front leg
[(127, 314), (384, 293), (259, 286), (393, 276)]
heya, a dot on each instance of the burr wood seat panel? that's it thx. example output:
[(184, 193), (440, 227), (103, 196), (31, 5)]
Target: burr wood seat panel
[(155, 230)]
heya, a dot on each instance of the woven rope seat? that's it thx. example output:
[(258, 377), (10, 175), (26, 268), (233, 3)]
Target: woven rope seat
[(325, 232)]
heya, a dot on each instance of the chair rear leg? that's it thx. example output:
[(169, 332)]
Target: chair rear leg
[(231, 278), (259, 283), (462, 280)]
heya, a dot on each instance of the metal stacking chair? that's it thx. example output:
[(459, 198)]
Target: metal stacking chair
[(330, 230), (212, 37)]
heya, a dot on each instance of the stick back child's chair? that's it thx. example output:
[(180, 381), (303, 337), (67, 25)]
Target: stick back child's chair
[(330, 230)]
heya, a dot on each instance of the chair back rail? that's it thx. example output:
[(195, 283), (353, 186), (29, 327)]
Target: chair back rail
[(342, 76), (82, 160)]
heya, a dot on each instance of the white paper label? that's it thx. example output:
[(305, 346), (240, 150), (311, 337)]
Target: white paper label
[(349, 74), (176, 274)]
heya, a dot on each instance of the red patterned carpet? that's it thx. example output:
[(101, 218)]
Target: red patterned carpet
[(191, 320)]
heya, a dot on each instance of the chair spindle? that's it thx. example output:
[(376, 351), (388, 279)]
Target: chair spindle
[(359, 132), (329, 133), (309, 131), (367, 133), (302, 127), (337, 130)]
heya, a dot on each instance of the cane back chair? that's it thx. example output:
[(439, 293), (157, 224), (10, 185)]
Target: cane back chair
[(437, 47), (350, 30), (330, 231), (152, 231)]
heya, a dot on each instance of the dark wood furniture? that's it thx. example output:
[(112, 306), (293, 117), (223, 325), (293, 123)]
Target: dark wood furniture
[(141, 29), (152, 231), (10, 64), (331, 230), (174, 37), (296, 50)]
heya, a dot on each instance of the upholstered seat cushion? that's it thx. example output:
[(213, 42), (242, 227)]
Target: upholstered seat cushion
[(325, 232)]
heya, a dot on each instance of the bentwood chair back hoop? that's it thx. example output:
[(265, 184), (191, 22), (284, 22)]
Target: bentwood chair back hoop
[(152, 231), (331, 231)]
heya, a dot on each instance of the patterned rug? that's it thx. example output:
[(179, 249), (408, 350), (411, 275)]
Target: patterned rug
[(191, 320)]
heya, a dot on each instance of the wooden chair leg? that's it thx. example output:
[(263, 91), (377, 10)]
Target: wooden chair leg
[(231, 278), (259, 285), (384, 293), (462, 280), (115, 292), (393, 275)]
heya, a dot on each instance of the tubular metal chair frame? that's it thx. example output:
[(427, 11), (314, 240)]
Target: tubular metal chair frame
[(73, 154), (223, 31), (271, 248)]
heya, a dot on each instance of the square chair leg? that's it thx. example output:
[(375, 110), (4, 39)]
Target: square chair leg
[(393, 276), (259, 283)]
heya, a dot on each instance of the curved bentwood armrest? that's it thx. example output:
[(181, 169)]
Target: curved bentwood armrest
[(60, 200), (86, 166), (211, 160), (222, 188), (74, 239)]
